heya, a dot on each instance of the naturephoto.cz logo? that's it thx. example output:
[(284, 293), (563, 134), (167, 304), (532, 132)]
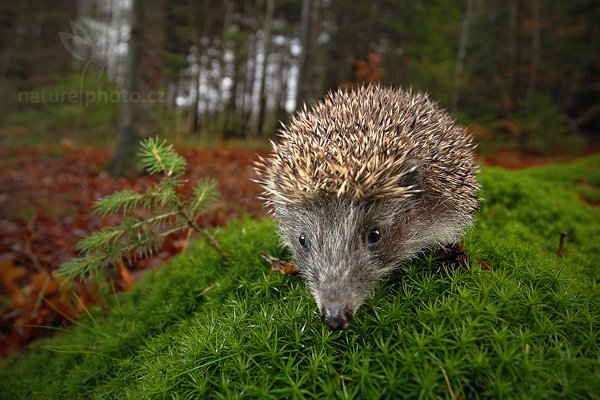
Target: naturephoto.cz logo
[(81, 45), (88, 97)]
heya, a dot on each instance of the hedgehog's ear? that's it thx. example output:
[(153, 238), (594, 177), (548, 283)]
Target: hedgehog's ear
[(411, 178), (412, 181)]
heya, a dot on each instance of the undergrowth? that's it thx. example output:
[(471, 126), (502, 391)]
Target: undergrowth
[(529, 327), (83, 106)]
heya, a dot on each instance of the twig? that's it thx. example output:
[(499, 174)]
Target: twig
[(441, 366), (154, 219), (208, 289), (560, 244), (27, 248), (48, 276), (193, 225), (160, 161), (187, 240), (212, 242), (40, 297), (198, 201), (447, 382)]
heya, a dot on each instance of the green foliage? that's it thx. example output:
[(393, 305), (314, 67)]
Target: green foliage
[(165, 212), (124, 201), (503, 77), (429, 33), (83, 105), (546, 128), (528, 328), (158, 157)]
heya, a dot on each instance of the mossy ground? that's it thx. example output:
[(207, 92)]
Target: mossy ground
[(529, 328)]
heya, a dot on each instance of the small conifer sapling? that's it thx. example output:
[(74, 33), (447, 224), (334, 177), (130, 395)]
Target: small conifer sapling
[(164, 210)]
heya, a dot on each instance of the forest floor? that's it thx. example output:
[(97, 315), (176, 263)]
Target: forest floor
[(522, 320), (46, 198)]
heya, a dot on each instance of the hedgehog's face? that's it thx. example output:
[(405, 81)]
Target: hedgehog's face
[(343, 247)]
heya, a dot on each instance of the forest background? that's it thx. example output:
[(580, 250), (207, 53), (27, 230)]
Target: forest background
[(81, 81)]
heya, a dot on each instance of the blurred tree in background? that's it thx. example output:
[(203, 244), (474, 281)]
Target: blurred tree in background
[(142, 77), (31, 53), (520, 72)]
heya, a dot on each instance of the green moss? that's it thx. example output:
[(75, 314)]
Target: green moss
[(529, 328)]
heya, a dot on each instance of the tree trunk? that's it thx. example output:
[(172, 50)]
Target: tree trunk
[(262, 100), (195, 92), (535, 52), (142, 78), (223, 104), (32, 53), (8, 33), (248, 89), (284, 68), (341, 51), (513, 43), (461, 56), (533, 67), (229, 122), (304, 71)]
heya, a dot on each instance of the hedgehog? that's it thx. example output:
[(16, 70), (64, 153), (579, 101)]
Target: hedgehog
[(362, 182)]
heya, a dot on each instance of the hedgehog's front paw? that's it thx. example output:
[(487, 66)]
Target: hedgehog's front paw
[(453, 255)]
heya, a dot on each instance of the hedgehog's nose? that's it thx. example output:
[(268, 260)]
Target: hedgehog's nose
[(336, 316)]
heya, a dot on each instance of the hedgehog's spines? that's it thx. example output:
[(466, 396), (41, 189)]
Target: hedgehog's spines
[(355, 144)]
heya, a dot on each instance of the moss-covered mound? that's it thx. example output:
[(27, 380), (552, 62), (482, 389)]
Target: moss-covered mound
[(527, 328)]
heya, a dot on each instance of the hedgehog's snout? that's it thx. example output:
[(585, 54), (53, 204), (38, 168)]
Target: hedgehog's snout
[(337, 316)]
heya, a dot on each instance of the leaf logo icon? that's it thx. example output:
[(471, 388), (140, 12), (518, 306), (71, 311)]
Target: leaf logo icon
[(78, 37)]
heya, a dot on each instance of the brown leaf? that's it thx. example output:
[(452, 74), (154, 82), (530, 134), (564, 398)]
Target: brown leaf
[(485, 265), (284, 267)]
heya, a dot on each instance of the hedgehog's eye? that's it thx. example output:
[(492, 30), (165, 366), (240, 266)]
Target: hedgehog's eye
[(303, 240), (374, 235)]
